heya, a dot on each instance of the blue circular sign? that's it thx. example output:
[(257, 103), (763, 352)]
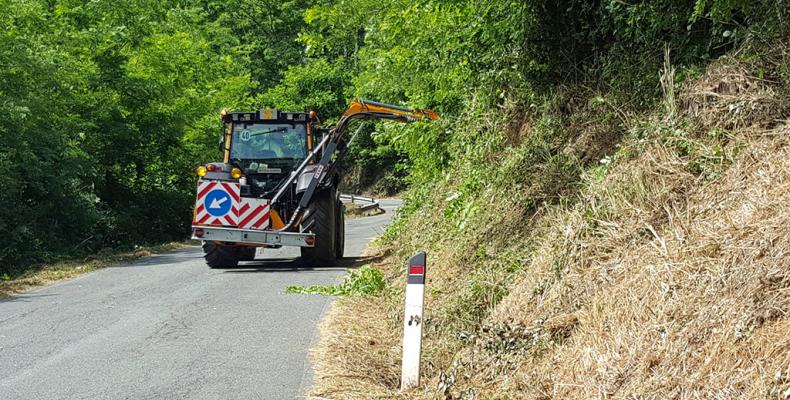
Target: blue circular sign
[(218, 202)]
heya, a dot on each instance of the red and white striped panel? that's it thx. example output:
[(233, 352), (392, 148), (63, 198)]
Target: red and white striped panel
[(203, 217), (254, 214)]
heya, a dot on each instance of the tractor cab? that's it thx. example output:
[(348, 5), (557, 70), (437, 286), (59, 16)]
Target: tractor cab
[(266, 146), (281, 144), (275, 140)]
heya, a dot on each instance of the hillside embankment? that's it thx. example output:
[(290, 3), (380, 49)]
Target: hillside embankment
[(590, 252)]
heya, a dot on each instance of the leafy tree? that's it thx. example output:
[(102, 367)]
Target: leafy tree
[(109, 105), (267, 30), (317, 85)]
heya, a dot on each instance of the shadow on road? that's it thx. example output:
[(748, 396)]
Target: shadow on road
[(297, 265), (166, 258)]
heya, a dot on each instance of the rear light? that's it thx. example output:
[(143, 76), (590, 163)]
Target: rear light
[(212, 168), (310, 240), (235, 173), (199, 232)]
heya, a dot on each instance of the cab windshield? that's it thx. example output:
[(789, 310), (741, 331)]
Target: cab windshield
[(268, 142)]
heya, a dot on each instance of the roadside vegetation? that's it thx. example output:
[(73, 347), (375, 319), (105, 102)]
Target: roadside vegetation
[(107, 107), (604, 205)]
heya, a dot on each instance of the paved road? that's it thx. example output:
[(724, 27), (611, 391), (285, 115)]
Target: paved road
[(168, 327)]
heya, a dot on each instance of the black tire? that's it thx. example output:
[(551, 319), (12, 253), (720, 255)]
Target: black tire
[(320, 219), (220, 256), (247, 253), (340, 230)]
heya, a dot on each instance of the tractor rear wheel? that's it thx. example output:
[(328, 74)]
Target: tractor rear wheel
[(340, 230), (220, 256), (247, 253), (320, 219)]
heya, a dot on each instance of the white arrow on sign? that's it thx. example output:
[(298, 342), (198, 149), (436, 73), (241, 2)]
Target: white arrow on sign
[(217, 203)]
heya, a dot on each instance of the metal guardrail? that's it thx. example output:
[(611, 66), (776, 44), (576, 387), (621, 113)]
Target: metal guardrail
[(365, 203)]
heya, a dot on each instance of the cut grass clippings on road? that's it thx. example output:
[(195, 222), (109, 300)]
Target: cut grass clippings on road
[(48, 273), (365, 281)]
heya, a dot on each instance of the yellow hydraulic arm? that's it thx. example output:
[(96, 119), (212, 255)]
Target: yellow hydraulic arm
[(366, 109), (367, 106), (359, 109)]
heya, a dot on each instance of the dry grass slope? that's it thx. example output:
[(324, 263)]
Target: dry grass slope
[(667, 276)]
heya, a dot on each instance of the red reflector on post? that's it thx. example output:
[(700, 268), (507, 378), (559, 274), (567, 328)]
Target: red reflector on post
[(416, 270), (199, 232)]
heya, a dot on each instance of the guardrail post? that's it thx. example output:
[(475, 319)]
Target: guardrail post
[(413, 321)]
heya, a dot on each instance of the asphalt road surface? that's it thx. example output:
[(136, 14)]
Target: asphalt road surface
[(168, 327)]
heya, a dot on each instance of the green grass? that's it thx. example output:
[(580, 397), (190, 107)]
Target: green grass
[(365, 281)]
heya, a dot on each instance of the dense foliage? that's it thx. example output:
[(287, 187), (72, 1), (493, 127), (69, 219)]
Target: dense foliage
[(107, 107), (110, 104)]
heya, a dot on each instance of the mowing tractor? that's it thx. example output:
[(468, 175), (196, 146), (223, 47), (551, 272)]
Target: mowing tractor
[(278, 184)]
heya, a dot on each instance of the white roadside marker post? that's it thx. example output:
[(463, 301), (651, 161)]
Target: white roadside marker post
[(412, 322)]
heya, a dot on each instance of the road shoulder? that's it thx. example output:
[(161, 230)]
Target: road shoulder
[(46, 274)]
